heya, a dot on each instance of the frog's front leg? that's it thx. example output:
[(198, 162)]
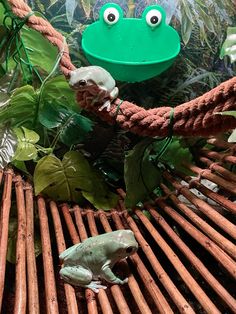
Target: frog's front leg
[(80, 276), (106, 105), (108, 275), (113, 94)]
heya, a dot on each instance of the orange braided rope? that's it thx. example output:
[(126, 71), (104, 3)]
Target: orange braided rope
[(194, 118)]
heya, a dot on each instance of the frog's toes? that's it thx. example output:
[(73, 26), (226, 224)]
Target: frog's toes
[(125, 281), (106, 105), (95, 286)]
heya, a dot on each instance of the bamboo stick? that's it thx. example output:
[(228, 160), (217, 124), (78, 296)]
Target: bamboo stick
[(224, 157), (32, 281), (4, 225), (216, 167), (49, 276), (61, 246), (21, 291)]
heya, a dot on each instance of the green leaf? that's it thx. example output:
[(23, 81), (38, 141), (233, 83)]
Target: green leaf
[(100, 196), (26, 149), (227, 113), (8, 145), (62, 180), (73, 127), (21, 166), (141, 176), (174, 155), (22, 108), (69, 179), (57, 89), (229, 46), (5, 36), (186, 29), (40, 51)]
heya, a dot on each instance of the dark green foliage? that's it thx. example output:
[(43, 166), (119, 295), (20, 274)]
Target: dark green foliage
[(141, 176)]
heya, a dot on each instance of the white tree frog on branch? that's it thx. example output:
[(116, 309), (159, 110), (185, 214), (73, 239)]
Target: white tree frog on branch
[(98, 82), (86, 262)]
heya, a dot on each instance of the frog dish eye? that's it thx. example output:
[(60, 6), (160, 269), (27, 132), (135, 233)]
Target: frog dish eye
[(111, 16), (153, 18)]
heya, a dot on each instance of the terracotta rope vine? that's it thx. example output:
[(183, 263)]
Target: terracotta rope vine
[(194, 118)]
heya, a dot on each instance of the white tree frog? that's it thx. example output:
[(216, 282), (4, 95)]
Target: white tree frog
[(86, 262), (97, 81)]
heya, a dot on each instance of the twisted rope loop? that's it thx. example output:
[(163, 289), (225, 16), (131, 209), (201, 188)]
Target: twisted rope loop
[(194, 118)]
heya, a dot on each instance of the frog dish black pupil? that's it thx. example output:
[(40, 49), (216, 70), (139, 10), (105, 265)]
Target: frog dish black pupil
[(154, 19), (111, 17)]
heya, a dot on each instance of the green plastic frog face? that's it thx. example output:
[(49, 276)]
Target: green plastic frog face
[(131, 48)]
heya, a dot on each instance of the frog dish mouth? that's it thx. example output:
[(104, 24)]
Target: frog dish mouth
[(131, 49)]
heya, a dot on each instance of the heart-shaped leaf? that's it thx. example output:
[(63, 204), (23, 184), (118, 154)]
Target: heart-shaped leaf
[(71, 179), (26, 149), (8, 145), (73, 127), (62, 180)]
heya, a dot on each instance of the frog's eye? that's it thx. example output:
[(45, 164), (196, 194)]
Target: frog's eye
[(129, 250), (82, 83), (153, 18), (111, 16)]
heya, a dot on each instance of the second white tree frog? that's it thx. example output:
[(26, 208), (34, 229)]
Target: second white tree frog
[(86, 262), (97, 81)]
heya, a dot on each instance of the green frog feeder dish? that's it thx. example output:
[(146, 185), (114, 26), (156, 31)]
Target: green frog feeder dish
[(131, 49), (126, 49)]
